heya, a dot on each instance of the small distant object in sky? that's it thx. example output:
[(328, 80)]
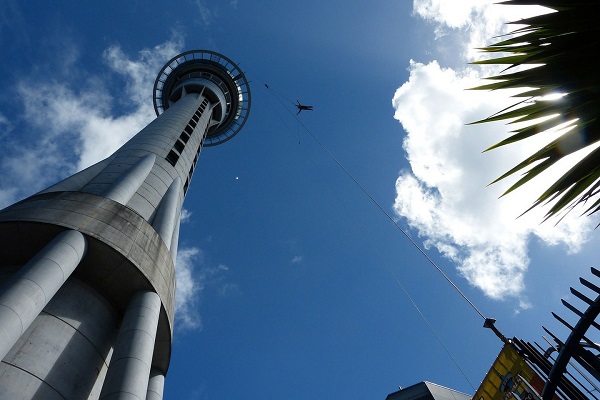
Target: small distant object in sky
[(267, 86), (302, 107), (236, 178)]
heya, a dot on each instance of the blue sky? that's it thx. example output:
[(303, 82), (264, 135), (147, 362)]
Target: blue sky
[(289, 277)]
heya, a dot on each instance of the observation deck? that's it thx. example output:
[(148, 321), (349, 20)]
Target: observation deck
[(214, 76)]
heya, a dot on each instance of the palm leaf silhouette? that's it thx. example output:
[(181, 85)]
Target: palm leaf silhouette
[(560, 49)]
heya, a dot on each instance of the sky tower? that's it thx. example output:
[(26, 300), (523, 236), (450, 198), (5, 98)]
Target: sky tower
[(87, 266)]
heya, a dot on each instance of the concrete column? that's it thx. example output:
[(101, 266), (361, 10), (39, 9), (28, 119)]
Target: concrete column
[(175, 240), (166, 216), (129, 369), (75, 182), (26, 294), (123, 189), (156, 385)]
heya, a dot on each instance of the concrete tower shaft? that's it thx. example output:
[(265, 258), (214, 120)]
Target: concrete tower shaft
[(87, 266)]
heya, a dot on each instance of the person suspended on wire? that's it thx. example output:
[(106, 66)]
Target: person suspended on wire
[(302, 107)]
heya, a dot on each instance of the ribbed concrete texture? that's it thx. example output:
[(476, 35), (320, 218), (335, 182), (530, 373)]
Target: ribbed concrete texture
[(156, 385), (64, 354), (165, 221), (129, 369), (87, 266), (27, 293)]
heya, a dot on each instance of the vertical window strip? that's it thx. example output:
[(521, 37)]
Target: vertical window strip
[(185, 135)]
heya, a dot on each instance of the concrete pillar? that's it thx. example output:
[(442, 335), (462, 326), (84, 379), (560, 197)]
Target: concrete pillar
[(75, 182), (166, 216), (175, 240), (156, 385), (129, 369), (26, 294), (123, 189)]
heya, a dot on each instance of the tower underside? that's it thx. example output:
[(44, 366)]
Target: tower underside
[(87, 266)]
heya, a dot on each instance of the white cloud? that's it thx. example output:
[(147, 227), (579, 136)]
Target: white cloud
[(5, 123), (475, 22), (444, 196), (185, 215), (193, 278), (454, 14), (206, 14), (296, 260), (188, 289), (229, 289), (75, 128)]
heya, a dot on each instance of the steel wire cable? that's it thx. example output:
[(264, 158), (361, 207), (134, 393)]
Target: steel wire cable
[(374, 248), (374, 201)]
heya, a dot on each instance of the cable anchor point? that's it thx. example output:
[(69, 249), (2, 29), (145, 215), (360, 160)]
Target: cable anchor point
[(490, 324)]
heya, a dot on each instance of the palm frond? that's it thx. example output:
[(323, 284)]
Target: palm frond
[(558, 49)]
